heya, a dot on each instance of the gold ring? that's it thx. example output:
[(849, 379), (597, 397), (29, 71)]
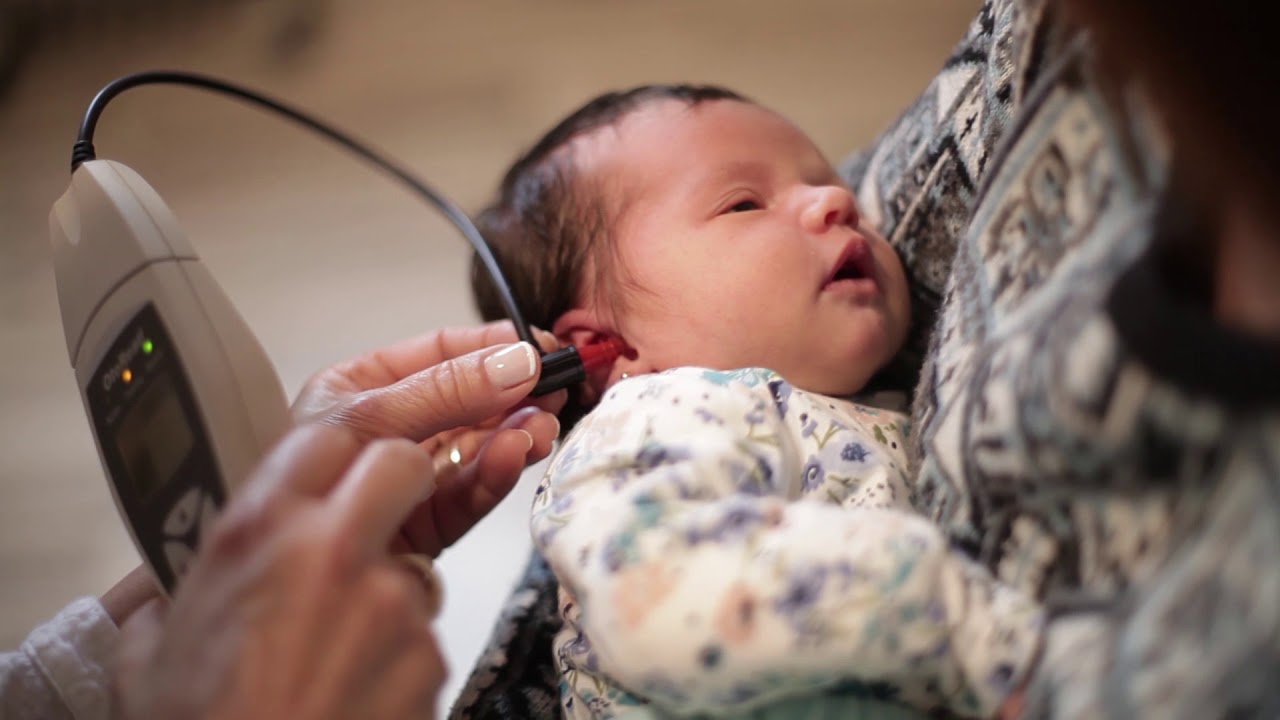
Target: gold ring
[(448, 461)]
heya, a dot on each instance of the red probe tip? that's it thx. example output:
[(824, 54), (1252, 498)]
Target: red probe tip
[(600, 354)]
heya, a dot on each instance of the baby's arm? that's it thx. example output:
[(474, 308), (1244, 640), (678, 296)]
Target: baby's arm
[(700, 588)]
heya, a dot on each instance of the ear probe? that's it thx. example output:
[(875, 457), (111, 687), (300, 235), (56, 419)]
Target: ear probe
[(569, 365)]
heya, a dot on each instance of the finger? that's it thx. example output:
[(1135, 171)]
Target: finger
[(461, 449), (372, 501), (462, 391), (544, 427), (552, 403), (421, 570), (130, 593), (308, 461), (336, 385), (476, 489), (464, 497), (453, 459), (408, 357), (140, 635), (457, 505), (440, 442), (512, 453), (385, 617)]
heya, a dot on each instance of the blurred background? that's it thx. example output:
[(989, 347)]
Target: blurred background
[(324, 256)]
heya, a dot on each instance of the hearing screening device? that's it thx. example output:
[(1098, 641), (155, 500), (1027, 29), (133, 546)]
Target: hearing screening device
[(182, 399), (180, 395)]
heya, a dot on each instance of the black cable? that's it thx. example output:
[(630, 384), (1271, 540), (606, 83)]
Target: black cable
[(83, 151)]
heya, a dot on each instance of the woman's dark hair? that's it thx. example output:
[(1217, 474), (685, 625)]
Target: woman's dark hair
[(548, 223)]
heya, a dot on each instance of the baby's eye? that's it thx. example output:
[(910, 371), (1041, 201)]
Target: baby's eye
[(743, 206)]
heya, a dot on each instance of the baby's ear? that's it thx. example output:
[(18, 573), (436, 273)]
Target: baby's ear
[(581, 327), (578, 327)]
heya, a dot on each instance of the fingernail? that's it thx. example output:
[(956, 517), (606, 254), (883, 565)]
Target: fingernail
[(511, 365), (528, 438)]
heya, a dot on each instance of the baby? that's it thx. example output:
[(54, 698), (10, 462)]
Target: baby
[(730, 531)]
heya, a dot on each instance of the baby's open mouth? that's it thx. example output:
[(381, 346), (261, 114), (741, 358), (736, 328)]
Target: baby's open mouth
[(849, 270), (855, 263)]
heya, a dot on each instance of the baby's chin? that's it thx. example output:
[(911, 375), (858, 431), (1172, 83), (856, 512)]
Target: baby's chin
[(841, 383)]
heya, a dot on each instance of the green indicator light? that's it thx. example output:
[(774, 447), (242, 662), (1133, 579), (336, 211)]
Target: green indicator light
[(147, 347)]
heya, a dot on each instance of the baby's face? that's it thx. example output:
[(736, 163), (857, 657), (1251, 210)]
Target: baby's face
[(740, 246)]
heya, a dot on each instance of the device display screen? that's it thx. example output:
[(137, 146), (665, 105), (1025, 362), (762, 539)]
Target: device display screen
[(154, 437)]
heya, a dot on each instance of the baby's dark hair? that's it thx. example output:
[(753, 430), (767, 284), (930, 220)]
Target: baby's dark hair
[(548, 224)]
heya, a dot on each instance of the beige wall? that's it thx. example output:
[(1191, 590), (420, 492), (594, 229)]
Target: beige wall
[(323, 256)]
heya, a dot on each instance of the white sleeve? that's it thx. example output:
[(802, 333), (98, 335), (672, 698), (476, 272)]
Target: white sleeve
[(64, 667)]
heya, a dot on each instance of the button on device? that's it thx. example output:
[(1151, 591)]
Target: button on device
[(179, 557), (182, 518)]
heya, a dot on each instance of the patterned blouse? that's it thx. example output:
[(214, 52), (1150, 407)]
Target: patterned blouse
[(725, 541)]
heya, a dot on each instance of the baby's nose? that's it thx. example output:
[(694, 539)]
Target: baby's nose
[(830, 206)]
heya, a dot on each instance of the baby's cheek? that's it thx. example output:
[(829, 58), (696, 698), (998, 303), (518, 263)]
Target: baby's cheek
[(895, 276)]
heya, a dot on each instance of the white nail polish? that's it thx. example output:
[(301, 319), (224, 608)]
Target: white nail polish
[(511, 365)]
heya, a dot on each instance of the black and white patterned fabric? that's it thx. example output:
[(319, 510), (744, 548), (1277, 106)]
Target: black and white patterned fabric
[(1079, 426)]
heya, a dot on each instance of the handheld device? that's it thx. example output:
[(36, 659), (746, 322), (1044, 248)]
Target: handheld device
[(182, 399)]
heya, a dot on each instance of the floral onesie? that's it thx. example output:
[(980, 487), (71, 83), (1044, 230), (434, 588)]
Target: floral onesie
[(724, 541)]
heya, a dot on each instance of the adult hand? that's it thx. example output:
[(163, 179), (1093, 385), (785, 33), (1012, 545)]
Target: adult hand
[(293, 607), (460, 393)]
